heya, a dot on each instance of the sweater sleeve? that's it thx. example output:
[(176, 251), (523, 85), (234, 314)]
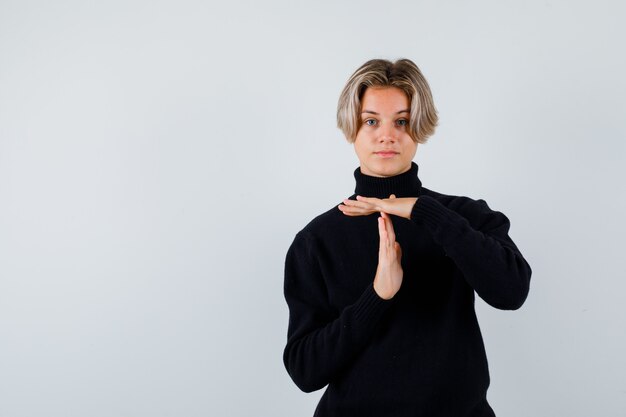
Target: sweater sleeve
[(479, 244), (322, 342)]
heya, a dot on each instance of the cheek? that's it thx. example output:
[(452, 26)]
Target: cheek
[(409, 151), (361, 143), (357, 147), (362, 149)]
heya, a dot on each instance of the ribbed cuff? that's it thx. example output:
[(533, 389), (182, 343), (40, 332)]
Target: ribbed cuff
[(370, 306), (429, 211)]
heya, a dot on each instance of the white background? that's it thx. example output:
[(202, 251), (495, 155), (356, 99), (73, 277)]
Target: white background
[(158, 157)]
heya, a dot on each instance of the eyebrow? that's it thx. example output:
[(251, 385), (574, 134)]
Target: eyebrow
[(373, 112)]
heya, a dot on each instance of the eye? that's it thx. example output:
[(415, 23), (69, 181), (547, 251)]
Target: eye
[(367, 122), (403, 122)]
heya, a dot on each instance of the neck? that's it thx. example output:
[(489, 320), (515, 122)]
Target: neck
[(406, 184)]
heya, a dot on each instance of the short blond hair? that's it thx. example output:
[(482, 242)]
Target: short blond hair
[(403, 74)]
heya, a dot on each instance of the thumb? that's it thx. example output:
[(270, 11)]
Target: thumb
[(392, 196), (398, 250)]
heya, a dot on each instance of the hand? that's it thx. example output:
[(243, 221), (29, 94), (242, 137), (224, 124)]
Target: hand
[(363, 206), (389, 271)]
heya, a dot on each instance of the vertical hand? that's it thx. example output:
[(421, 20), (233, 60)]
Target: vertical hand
[(389, 271)]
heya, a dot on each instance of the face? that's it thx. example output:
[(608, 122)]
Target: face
[(383, 144)]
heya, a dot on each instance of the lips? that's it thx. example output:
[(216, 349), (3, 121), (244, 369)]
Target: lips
[(386, 154)]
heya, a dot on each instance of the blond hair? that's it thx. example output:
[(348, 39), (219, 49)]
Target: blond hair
[(403, 74)]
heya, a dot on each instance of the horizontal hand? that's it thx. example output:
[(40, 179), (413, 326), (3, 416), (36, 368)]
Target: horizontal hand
[(363, 206)]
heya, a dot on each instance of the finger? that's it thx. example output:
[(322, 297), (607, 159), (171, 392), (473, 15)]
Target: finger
[(392, 196), (361, 204), (389, 240), (369, 199), (389, 228), (358, 214), (354, 211), (382, 233), (398, 251)]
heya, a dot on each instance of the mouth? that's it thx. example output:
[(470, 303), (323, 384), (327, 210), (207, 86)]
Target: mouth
[(386, 154)]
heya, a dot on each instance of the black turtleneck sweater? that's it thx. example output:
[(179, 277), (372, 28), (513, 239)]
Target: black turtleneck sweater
[(420, 353)]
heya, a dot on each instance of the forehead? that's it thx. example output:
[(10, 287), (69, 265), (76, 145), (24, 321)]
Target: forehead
[(384, 99)]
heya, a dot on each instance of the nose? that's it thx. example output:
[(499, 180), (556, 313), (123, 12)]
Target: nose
[(387, 133)]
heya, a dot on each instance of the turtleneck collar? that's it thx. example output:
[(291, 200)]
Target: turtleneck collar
[(406, 184)]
